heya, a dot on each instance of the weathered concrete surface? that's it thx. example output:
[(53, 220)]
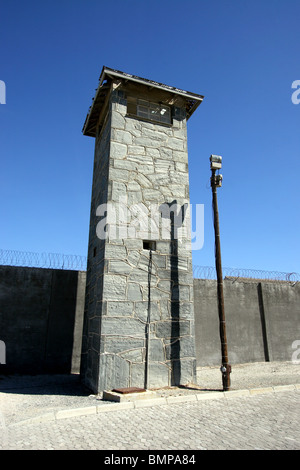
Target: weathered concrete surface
[(41, 315), (39, 309), (262, 321), (281, 304)]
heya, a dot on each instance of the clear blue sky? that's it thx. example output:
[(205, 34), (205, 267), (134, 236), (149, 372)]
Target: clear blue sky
[(242, 55)]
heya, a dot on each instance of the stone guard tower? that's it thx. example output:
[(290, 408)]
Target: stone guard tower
[(139, 319)]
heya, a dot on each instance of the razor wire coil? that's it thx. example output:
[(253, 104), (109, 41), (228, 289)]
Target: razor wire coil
[(42, 260), (243, 274), (79, 263)]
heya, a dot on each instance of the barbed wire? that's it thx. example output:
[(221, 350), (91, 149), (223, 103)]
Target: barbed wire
[(79, 263), (43, 260), (209, 272)]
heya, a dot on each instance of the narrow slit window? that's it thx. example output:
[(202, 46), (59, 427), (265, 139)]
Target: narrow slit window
[(149, 245)]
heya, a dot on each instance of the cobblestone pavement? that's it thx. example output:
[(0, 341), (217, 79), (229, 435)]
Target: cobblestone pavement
[(264, 421), (265, 417)]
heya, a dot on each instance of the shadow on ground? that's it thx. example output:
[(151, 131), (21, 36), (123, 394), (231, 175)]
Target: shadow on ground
[(69, 385)]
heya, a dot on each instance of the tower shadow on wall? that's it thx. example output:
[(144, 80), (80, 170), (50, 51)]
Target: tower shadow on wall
[(176, 220), (147, 329)]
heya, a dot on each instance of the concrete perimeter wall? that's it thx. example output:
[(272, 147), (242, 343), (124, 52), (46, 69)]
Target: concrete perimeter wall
[(41, 315), (262, 321)]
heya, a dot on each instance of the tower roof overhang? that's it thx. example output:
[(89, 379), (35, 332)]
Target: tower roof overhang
[(167, 94)]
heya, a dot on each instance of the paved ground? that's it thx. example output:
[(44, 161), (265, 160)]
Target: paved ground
[(55, 412)]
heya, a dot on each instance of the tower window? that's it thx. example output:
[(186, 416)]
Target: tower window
[(150, 111), (153, 111)]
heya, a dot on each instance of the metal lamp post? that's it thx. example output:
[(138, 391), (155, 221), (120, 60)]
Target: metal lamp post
[(216, 182)]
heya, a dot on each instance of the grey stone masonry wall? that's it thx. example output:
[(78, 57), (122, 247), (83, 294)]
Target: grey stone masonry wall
[(90, 353), (139, 317)]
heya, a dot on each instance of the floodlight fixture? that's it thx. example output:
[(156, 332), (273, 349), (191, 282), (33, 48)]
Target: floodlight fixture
[(215, 162)]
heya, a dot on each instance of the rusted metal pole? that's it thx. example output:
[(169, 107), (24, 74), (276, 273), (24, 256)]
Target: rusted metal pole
[(226, 367)]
